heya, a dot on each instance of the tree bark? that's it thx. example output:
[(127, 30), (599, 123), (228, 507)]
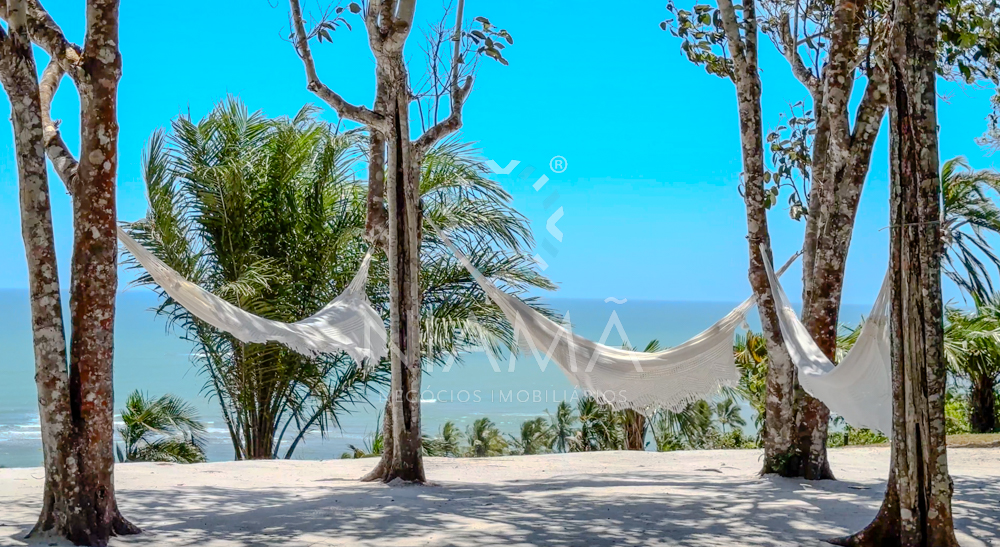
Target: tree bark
[(394, 212), (982, 404), (403, 250), (917, 506), (841, 157), (779, 448), (76, 405), (635, 430)]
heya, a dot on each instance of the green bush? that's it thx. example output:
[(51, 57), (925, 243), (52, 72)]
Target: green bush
[(956, 412)]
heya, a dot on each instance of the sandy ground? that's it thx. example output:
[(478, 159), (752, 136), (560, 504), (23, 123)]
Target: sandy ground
[(697, 498)]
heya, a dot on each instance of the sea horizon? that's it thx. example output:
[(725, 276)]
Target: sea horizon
[(153, 358)]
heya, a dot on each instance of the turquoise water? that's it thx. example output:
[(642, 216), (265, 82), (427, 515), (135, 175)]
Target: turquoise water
[(154, 359)]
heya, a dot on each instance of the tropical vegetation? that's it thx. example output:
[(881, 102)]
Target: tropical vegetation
[(269, 214), (165, 429)]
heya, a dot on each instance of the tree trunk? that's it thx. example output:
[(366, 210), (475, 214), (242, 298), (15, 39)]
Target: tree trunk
[(76, 406), (982, 405), (841, 156), (403, 458), (779, 448), (917, 506), (635, 430), (822, 289)]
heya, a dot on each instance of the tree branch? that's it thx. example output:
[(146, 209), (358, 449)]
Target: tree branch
[(731, 26), (838, 77), (62, 159), (344, 109), (402, 22), (791, 53), (870, 112), (46, 33), (458, 94), (750, 33)]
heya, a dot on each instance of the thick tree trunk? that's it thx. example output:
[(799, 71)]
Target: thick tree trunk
[(917, 506), (403, 191), (982, 405), (635, 430), (823, 284)]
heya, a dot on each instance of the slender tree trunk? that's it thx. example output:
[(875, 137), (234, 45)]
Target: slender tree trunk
[(76, 405), (403, 195), (917, 506), (389, 23), (779, 448), (20, 80), (982, 405)]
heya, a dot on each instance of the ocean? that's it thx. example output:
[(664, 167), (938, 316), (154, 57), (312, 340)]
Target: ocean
[(151, 357)]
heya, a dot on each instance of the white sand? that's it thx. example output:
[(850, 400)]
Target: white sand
[(696, 498)]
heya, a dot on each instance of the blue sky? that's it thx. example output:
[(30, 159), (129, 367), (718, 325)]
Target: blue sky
[(649, 198)]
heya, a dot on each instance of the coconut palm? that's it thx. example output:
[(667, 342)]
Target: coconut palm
[(485, 439), (750, 350), (263, 213), (446, 444), (374, 444), (847, 337), (165, 429), (969, 215), (687, 428), (635, 423), (564, 435), (727, 413), (535, 437), (972, 349), (600, 426), (269, 215)]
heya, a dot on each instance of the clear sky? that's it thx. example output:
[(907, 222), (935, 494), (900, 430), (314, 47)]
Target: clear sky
[(649, 198)]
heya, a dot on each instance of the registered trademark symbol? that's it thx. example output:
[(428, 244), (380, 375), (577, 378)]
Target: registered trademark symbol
[(558, 164)]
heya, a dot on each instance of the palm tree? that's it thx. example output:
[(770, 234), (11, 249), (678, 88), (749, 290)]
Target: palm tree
[(160, 430), (373, 447), (750, 350), (687, 428), (535, 438), (969, 215), (264, 213), (484, 439), (446, 444), (564, 435), (847, 337), (972, 349), (634, 422), (269, 215), (727, 412), (477, 215), (600, 427), (374, 444)]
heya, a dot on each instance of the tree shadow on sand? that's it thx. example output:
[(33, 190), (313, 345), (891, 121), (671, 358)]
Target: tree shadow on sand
[(703, 508)]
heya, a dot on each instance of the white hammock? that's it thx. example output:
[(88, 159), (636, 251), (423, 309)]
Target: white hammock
[(637, 380), (348, 324), (860, 387)]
